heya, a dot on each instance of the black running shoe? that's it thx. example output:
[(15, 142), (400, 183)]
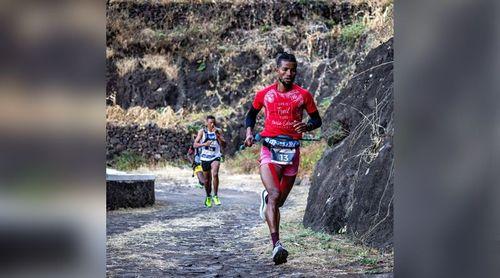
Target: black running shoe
[(279, 253)]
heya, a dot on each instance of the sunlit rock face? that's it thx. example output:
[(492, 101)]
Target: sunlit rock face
[(352, 187)]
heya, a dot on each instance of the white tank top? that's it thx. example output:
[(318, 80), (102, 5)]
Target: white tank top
[(211, 152)]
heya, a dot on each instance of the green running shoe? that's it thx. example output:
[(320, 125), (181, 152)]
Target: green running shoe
[(208, 202), (216, 200), (199, 185)]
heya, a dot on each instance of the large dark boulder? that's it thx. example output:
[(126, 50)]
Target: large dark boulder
[(352, 185), (146, 87)]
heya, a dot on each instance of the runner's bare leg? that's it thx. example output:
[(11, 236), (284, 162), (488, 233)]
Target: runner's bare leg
[(270, 183), (215, 176), (208, 182), (286, 184), (201, 177)]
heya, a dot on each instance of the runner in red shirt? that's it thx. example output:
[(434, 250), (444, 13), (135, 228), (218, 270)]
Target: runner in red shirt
[(284, 104)]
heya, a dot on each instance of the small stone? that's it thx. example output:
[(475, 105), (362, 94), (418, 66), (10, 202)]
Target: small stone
[(120, 148)]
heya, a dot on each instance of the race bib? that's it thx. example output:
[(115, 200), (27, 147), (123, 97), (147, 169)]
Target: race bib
[(282, 156)]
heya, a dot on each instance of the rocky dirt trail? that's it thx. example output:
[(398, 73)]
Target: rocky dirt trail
[(178, 236)]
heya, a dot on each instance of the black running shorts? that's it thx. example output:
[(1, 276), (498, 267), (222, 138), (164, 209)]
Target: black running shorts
[(207, 165)]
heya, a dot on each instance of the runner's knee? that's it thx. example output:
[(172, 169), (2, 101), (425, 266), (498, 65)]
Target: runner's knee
[(273, 197)]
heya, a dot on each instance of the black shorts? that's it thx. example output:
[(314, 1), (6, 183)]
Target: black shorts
[(207, 165)]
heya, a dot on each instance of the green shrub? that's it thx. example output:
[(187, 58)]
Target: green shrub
[(369, 261), (325, 103), (128, 160), (245, 161), (351, 33), (310, 153), (335, 133), (265, 28), (201, 65), (330, 23), (160, 35), (193, 128)]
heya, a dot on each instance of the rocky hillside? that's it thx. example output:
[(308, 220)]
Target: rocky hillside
[(178, 61), (352, 187)]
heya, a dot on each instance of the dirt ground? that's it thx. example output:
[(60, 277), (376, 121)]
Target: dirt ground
[(178, 236)]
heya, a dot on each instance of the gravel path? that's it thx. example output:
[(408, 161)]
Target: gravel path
[(178, 236)]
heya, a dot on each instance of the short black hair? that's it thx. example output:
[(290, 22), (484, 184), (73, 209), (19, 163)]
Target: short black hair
[(284, 56), (210, 117)]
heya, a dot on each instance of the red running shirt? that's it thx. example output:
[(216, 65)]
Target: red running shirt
[(283, 110)]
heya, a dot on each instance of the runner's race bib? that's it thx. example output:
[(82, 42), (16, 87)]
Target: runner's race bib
[(208, 152), (282, 149), (282, 156)]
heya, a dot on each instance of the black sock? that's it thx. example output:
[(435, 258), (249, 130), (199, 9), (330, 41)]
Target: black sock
[(275, 237)]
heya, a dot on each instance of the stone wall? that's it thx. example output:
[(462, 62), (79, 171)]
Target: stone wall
[(151, 142)]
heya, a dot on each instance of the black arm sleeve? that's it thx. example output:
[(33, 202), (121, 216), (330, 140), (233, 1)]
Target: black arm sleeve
[(314, 121), (251, 117)]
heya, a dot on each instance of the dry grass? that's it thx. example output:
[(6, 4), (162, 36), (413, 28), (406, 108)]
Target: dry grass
[(380, 23), (142, 116), (164, 117), (127, 29), (162, 62), (126, 65), (109, 53)]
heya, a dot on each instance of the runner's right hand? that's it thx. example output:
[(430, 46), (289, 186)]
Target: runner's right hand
[(249, 140)]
